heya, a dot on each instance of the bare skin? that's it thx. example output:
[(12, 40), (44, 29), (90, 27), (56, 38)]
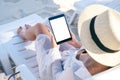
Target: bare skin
[(32, 32), (94, 66)]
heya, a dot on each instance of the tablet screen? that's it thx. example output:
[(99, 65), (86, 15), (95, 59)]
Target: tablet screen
[(60, 28)]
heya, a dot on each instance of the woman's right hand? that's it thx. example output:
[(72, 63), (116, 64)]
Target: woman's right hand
[(74, 42)]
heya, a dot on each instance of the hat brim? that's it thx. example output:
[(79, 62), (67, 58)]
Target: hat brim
[(108, 59)]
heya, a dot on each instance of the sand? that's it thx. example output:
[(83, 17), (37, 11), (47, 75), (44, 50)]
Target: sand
[(11, 10)]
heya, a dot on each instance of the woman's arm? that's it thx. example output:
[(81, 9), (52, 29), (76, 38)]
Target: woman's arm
[(96, 68)]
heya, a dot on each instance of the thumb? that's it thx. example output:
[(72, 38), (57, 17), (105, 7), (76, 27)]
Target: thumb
[(53, 42)]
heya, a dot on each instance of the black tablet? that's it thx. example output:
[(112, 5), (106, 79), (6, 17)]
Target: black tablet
[(60, 28)]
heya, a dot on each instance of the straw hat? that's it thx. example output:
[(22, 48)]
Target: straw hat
[(99, 30)]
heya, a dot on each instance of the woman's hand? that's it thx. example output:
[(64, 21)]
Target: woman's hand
[(54, 45), (74, 41)]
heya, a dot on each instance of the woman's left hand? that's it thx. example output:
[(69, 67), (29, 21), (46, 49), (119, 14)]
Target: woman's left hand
[(54, 45)]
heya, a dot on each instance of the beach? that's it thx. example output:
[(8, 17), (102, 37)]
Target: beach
[(11, 10)]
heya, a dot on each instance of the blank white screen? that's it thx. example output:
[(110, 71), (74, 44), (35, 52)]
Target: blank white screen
[(60, 29)]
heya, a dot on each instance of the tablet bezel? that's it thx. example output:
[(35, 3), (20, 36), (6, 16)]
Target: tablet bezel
[(55, 17)]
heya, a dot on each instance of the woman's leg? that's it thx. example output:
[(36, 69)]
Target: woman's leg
[(31, 33)]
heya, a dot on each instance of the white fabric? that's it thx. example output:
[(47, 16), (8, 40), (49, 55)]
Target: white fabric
[(58, 65)]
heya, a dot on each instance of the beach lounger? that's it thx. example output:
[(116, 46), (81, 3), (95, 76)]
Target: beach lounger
[(24, 56), (18, 51)]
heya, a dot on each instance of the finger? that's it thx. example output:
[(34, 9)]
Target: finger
[(27, 26), (19, 29)]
